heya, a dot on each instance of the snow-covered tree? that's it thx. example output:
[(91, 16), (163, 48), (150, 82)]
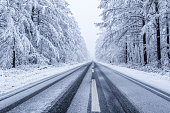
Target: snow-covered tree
[(39, 31), (134, 31)]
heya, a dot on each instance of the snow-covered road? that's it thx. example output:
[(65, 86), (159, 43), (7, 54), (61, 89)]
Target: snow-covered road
[(131, 94), (156, 80), (59, 84), (88, 89), (13, 79)]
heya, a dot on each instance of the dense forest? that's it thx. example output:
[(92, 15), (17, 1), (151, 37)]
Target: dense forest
[(39, 31), (134, 32)]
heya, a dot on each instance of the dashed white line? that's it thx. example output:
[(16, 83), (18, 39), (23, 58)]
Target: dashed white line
[(95, 100)]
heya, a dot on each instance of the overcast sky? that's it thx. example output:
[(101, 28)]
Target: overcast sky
[(86, 14)]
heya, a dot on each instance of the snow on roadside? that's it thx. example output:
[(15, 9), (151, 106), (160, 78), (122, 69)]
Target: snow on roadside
[(12, 79), (154, 79)]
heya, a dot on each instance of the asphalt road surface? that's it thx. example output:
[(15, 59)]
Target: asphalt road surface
[(90, 88)]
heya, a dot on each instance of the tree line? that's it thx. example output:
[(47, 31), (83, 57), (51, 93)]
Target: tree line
[(39, 31), (134, 32)]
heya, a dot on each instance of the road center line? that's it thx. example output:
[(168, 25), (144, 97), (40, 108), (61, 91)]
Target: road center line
[(95, 99)]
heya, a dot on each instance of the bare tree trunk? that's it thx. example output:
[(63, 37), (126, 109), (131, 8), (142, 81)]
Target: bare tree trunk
[(126, 52), (32, 15), (144, 44), (158, 34), (38, 17), (167, 31), (13, 63)]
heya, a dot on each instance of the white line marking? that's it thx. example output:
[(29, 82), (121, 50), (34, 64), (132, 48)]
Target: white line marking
[(92, 70), (95, 99)]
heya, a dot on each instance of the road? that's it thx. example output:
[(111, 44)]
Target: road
[(90, 88)]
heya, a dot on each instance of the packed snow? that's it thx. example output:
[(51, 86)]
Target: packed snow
[(80, 101), (154, 79), (41, 102), (12, 79), (143, 99)]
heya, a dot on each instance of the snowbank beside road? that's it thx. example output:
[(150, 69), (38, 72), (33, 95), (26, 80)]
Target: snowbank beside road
[(12, 79), (159, 81)]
